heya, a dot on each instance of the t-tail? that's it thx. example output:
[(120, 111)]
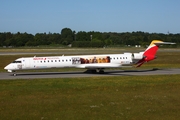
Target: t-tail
[(150, 53)]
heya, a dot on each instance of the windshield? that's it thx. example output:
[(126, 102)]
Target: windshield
[(16, 62)]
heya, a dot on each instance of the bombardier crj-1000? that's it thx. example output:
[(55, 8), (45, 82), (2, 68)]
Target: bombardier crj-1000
[(93, 63)]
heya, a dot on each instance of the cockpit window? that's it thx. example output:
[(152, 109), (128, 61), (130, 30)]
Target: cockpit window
[(16, 62)]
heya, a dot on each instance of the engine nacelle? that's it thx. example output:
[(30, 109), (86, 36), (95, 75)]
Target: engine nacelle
[(137, 56)]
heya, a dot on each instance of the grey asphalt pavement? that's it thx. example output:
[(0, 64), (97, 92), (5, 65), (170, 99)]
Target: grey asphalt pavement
[(36, 75)]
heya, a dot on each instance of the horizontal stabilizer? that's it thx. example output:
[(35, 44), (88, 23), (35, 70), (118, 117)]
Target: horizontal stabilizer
[(158, 42), (163, 43)]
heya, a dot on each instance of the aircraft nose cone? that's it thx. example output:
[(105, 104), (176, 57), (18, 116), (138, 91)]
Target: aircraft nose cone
[(7, 67)]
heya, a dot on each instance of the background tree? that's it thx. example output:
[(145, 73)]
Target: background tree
[(85, 39), (66, 36), (82, 36)]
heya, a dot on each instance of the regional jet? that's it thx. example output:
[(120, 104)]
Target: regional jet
[(94, 63)]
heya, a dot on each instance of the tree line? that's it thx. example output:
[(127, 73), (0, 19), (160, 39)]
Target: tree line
[(85, 39)]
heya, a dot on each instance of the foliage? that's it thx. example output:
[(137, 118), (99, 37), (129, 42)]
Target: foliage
[(85, 39)]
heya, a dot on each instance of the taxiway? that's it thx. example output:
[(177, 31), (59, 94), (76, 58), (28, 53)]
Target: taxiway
[(36, 75)]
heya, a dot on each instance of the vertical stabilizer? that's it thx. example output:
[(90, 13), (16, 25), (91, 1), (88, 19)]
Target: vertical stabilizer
[(150, 53)]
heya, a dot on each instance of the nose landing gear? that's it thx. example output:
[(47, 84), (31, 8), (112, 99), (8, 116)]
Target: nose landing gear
[(14, 74)]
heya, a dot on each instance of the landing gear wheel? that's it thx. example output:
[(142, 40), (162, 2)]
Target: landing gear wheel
[(90, 71), (93, 71), (14, 74), (101, 71)]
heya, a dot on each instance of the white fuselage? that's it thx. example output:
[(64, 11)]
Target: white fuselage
[(84, 61)]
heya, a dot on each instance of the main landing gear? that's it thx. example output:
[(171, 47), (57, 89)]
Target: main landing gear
[(94, 71), (101, 71)]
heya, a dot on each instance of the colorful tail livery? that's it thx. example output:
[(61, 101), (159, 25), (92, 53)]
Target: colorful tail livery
[(93, 63), (150, 52)]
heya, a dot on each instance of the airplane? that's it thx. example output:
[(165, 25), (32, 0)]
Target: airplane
[(93, 63)]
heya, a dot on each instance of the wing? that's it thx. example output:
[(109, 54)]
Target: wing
[(99, 65)]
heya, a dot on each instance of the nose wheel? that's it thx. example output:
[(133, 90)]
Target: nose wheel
[(14, 73)]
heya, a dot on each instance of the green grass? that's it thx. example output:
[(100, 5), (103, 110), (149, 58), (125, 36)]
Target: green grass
[(125, 97)]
